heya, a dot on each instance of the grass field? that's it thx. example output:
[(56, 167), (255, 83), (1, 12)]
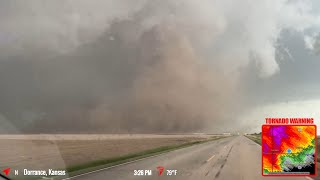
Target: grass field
[(79, 152)]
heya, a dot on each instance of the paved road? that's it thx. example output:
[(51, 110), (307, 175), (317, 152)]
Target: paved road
[(232, 158)]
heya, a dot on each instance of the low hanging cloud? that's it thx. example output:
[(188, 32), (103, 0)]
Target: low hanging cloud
[(143, 66), (315, 44)]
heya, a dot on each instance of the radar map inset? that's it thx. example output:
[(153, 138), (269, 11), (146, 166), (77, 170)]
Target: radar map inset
[(289, 150)]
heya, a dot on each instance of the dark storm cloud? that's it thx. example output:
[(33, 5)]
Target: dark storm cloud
[(160, 66), (297, 80), (129, 79), (317, 44)]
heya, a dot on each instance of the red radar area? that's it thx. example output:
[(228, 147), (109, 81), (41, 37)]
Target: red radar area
[(289, 150)]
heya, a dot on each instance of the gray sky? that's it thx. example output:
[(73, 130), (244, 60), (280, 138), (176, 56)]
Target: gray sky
[(156, 66)]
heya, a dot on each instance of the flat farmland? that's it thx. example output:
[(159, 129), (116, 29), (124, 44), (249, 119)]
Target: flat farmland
[(60, 151)]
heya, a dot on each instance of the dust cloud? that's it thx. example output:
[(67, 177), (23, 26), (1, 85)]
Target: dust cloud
[(123, 67), (156, 83), (173, 91)]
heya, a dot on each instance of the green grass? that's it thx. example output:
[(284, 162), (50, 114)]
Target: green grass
[(104, 163), (121, 159), (99, 164), (255, 138)]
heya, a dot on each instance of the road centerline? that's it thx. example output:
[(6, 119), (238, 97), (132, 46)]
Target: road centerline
[(210, 158)]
